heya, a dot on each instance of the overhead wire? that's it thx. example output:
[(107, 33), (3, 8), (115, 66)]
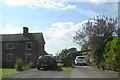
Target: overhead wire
[(60, 16)]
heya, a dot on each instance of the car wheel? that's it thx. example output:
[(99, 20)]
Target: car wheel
[(55, 66), (76, 64)]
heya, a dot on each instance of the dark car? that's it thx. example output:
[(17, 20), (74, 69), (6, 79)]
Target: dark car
[(46, 61)]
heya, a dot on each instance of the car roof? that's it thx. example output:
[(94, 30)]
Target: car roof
[(44, 55)]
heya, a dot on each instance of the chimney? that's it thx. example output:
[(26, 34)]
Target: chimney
[(25, 30)]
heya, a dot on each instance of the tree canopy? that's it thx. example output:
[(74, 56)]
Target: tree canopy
[(96, 30)]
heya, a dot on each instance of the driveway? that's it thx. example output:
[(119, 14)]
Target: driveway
[(34, 73), (90, 72), (77, 72)]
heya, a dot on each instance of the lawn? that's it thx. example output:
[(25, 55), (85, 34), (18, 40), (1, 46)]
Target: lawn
[(7, 72), (65, 69)]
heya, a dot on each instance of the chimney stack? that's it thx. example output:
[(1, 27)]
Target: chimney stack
[(25, 30)]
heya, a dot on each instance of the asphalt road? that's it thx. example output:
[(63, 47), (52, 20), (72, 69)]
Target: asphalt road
[(77, 72)]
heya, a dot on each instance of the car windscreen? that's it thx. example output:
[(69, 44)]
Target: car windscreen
[(45, 57), (81, 57)]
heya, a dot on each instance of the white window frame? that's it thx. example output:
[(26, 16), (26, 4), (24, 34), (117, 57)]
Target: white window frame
[(10, 54), (8, 45), (27, 45), (27, 56)]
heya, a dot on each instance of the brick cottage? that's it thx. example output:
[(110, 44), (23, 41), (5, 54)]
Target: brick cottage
[(28, 46)]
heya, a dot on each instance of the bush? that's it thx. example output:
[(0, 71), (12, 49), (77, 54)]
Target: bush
[(26, 67), (67, 61), (112, 54), (32, 65), (19, 64)]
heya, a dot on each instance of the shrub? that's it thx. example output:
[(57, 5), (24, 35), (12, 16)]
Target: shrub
[(32, 65), (26, 67), (19, 64), (67, 61), (112, 53)]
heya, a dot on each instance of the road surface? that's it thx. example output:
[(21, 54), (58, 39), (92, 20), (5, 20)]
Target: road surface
[(77, 72)]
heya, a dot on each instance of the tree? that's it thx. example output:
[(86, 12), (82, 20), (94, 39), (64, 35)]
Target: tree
[(63, 53), (84, 47), (66, 56), (96, 32), (72, 50), (80, 38)]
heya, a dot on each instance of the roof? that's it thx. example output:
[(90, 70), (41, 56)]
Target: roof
[(23, 37)]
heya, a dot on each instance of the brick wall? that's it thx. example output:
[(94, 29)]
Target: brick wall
[(19, 51)]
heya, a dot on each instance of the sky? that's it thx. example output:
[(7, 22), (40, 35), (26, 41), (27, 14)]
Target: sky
[(58, 20)]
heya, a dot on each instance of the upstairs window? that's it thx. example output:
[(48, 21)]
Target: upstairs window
[(10, 57), (28, 45), (9, 45)]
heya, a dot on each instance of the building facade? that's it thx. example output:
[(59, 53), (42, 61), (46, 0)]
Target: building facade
[(27, 46)]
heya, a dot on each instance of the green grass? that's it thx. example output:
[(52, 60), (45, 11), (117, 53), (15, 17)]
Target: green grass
[(0, 73), (67, 69), (7, 72), (60, 64)]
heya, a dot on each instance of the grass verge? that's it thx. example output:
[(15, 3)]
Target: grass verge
[(7, 72), (67, 69), (0, 73)]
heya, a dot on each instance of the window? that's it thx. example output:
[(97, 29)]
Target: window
[(28, 57), (9, 57), (9, 45), (28, 46)]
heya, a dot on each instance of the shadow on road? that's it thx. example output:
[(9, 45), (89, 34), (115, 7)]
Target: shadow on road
[(82, 65), (57, 69)]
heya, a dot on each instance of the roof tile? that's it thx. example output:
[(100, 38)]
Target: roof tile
[(23, 37)]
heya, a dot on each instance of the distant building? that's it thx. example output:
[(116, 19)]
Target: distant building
[(86, 53), (27, 46)]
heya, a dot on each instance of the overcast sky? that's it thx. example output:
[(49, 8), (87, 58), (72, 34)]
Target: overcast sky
[(56, 19)]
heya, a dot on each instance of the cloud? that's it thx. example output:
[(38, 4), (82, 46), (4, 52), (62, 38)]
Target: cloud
[(12, 29), (85, 12), (60, 36), (9, 29), (48, 4), (69, 7), (94, 1)]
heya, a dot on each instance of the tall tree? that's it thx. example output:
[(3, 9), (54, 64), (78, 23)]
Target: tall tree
[(95, 33)]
